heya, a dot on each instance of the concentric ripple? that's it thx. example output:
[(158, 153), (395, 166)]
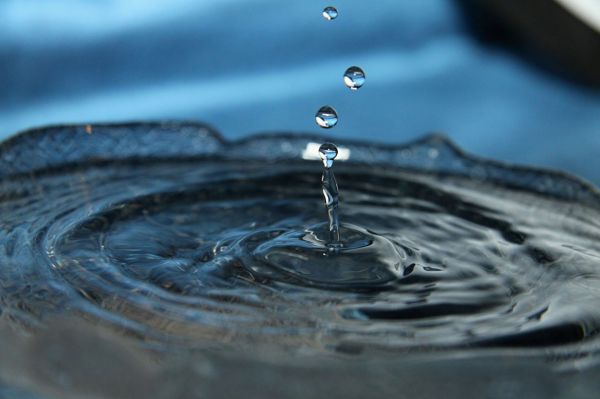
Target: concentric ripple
[(208, 241)]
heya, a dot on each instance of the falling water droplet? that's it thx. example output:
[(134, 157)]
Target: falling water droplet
[(354, 78), (326, 117), (330, 13)]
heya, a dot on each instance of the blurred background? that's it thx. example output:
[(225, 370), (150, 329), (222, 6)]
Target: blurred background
[(506, 80)]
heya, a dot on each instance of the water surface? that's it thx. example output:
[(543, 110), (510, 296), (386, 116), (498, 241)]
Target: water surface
[(174, 235)]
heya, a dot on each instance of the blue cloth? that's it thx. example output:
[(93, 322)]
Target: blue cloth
[(248, 66)]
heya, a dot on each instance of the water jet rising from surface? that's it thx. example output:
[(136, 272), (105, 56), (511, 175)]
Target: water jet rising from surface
[(328, 153)]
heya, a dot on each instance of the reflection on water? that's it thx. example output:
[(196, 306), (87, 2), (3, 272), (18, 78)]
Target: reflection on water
[(164, 240)]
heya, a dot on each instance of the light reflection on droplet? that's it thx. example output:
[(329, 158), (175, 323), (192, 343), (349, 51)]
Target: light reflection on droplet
[(354, 78), (330, 13), (328, 153), (326, 117)]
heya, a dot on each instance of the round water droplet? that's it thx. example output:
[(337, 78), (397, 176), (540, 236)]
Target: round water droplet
[(326, 117), (330, 13), (354, 78), (328, 152)]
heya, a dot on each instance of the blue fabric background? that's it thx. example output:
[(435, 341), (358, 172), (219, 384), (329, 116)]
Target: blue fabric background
[(249, 66)]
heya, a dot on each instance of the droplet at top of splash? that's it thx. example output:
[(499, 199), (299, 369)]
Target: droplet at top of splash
[(328, 152)]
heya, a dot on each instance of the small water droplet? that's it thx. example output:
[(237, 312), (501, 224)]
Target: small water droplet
[(330, 13), (328, 153), (326, 117), (354, 78)]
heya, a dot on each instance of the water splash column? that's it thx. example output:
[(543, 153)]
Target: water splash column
[(328, 153), (327, 117)]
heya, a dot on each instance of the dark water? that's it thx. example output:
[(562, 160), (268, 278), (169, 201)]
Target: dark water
[(180, 240)]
